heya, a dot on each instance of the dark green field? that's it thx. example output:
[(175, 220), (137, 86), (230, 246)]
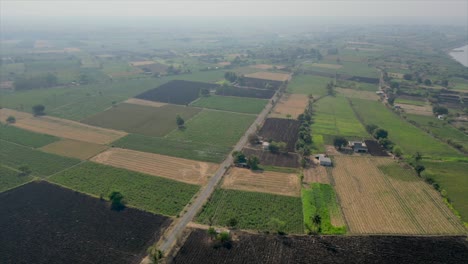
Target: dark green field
[(233, 104), (24, 137), (10, 178), (145, 120), (149, 193)]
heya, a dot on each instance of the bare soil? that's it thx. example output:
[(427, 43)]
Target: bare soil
[(292, 104), (74, 149), (144, 102)]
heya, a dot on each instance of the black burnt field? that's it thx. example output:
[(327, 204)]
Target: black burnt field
[(375, 149), (45, 223), (176, 92), (249, 248), (279, 129)]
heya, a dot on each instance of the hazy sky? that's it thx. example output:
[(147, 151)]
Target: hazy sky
[(355, 8)]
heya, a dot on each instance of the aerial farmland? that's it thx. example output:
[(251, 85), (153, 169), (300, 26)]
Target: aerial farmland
[(160, 144)]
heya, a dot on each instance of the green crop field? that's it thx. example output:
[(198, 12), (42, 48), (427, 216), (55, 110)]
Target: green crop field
[(349, 68), (140, 119), (358, 86), (411, 102), (452, 177), (10, 178), (233, 104), (309, 84), (41, 163), (255, 211), (214, 128), (410, 138), (24, 137), (150, 193), (334, 116), (441, 129), (320, 200), (175, 148)]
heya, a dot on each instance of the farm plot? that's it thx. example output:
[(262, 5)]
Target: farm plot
[(327, 66), (24, 137), (40, 163), (334, 116), (291, 105), (351, 93), (176, 92), (265, 182), (62, 128), (376, 203), (316, 174), (281, 130), (145, 120), (10, 178), (214, 127), (233, 104), (273, 249), (146, 192), (320, 200), (273, 76), (175, 148), (44, 223), (267, 158), (74, 149), (155, 68), (144, 102), (267, 66), (424, 110), (309, 84), (183, 170), (375, 149), (254, 211), (245, 92)]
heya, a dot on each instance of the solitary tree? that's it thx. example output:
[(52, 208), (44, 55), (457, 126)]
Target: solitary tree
[(232, 222), (116, 199), (253, 162), (419, 169), (211, 232), (339, 142), (427, 82), (38, 110), (11, 120), (155, 255), (317, 220), (180, 121), (397, 151), (239, 157), (380, 133)]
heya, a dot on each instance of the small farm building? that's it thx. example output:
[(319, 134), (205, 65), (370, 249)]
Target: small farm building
[(265, 145), (323, 160), (358, 146)]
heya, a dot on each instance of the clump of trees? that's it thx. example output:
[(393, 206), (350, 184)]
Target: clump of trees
[(330, 88), (304, 142), (252, 161), (440, 110), (180, 122), (11, 120), (117, 201), (155, 255), (231, 76), (381, 135), (38, 110), (339, 142), (277, 147)]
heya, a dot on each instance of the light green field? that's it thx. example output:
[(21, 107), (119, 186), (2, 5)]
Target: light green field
[(214, 128), (230, 103), (411, 102), (410, 138), (150, 193), (309, 84), (24, 137), (349, 68), (10, 178), (334, 116), (254, 211)]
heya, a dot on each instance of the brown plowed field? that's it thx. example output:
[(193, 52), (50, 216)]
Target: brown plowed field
[(62, 128), (375, 203), (292, 104), (188, 171), (416, 109), (279, 129), (290, 160), (144, 102), (316, 174), (74, 148), (266, 181)]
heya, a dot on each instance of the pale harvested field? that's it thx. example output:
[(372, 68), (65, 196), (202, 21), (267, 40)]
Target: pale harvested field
[(293, 104), (141, 63), (40, 44), (416, 109), (183, 170), (74, 149), (273, 76), (267, 66), (266, 182), (351, 93), (327, 66), (62, 128), (144, 102), (316, 174), (224, 63), (374, 203)]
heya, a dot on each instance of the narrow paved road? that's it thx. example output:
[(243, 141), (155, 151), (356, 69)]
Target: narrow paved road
[(205, 193)]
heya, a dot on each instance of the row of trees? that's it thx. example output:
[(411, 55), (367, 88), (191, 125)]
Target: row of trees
[(304, 141)]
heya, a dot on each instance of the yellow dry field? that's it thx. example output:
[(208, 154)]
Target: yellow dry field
[(74, 149), (183, 170), (62, 128), (292, 104), (327, 66), (273, 76), (267, 66), (316, 174), (375, 203), (351, 93), (417, 109), (224, 63), (141, 63), (144, 102), (266, 182)]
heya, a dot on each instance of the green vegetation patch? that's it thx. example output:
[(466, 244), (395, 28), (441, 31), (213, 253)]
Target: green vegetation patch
[(453, 178), (11, 178), (395, 171), (320, 200), (150, 193), (140, 119), (214, 128), (410, 102), (334, 116), (175, 148), (40, 163), (309, 84), (234, 104), (410, 138), (24, 137), (255, 211)]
